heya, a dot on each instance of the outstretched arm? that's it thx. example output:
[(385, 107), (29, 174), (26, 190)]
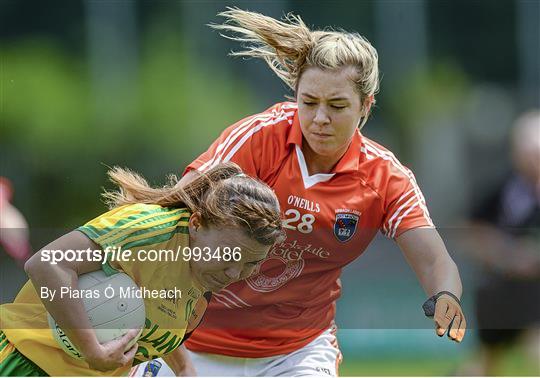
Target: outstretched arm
[(426, 253)]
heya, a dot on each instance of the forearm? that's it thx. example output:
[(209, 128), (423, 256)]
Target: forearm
[(426, 254), (441, 275), (68, 312), (73, 322), (180, 362)]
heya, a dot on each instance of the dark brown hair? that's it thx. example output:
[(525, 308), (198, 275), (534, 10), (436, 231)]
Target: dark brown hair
[(224, 196)]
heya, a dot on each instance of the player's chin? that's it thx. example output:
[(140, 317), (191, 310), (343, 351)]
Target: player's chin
[(323, 148)]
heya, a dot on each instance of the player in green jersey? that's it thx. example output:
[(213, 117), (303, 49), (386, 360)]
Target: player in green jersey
[(218, 228)]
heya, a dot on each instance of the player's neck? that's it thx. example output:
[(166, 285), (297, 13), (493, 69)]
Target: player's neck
[(318, 163)]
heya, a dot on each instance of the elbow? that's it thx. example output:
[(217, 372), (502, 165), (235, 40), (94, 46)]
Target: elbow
[(29, 267), (32, 264)]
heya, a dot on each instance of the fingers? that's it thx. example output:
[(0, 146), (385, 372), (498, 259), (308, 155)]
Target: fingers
[(118, 346), (442, 317), (130, 354), (454, 326), (129, 336), (460, 329), (449, 317), (126, 339)]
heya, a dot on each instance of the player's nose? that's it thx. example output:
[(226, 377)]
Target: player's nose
[(321, 116)]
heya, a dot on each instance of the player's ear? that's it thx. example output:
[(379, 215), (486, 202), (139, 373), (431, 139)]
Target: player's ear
[(366, 106), (195, 223)]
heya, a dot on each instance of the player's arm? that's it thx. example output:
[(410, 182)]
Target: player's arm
[(427, 255), (68, 312), (180, 363)]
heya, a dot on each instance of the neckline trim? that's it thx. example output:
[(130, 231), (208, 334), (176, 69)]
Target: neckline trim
[(309, 181)]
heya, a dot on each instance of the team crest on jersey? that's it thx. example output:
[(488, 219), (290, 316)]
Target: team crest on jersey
[(345, 226)]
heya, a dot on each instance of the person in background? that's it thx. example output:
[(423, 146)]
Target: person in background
[(337, 189), (14, 235), (505, 241)]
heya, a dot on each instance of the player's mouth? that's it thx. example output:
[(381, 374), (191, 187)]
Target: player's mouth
[(318, 135)]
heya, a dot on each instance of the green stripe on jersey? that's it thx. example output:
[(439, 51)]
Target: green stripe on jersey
[(108, 269), (142, 225), (140, 229), (122, 221), (3, 344), (156, 238), (113, 235), (118, 227)]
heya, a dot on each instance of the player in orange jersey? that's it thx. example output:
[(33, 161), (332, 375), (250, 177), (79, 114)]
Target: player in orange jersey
[(336, 187)]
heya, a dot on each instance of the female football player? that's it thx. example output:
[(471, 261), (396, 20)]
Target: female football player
[(219, 211), (336, 187)]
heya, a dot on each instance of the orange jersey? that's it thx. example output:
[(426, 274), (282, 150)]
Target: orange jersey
[(330, 220)]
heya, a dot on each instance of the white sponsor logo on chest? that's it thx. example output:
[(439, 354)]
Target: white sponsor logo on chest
[(303, 203)]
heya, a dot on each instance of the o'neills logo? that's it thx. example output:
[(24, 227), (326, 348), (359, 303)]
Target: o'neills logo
[(284, 263)]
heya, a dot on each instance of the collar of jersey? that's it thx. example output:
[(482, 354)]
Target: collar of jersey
[(349, 162)]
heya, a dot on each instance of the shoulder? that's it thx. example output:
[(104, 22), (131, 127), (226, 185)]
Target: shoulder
[(380, 167), (269, 125), (277, 119), (121, 224), (282, 111), (267, 133), (136, 213)]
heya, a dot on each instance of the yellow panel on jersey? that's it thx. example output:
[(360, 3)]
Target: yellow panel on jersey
[(139, 228)]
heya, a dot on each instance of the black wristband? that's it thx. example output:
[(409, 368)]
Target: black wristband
[(429, 305)]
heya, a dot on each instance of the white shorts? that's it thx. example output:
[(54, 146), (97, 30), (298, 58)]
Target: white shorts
[(320, 357)]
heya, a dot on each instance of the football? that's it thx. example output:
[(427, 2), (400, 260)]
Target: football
[(110, 311)]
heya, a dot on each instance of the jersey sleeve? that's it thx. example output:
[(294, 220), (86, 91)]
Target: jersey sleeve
[(254, 143), (132, 227), (404, 204)]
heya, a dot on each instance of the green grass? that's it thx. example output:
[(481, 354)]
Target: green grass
[(513, 364), (396, 367)]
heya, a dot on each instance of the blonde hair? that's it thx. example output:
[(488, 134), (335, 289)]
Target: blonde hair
[(224, 197), (289, 47)]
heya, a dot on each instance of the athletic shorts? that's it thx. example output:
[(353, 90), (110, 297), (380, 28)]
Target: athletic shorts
[(14, 364), (321, 357)]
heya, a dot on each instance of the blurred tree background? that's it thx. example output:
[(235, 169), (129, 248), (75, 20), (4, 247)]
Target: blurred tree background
[(147, 84)]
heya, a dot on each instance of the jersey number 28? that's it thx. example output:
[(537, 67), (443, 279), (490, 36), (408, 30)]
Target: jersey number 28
[(293, 217)]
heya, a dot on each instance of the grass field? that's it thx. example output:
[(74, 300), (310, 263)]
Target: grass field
[(514, 364)]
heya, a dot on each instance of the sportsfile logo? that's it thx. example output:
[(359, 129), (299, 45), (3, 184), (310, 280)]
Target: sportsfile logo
[(112, 253)]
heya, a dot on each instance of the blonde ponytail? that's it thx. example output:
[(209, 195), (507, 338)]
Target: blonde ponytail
[(284, 45), (289, 47)]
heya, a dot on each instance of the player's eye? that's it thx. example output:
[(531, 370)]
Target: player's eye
[(339, 107), (309, 103)]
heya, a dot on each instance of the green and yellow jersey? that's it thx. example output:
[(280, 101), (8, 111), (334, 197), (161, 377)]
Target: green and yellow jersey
[(139, 228)]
